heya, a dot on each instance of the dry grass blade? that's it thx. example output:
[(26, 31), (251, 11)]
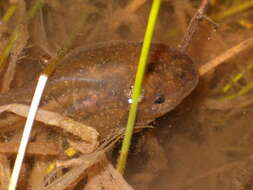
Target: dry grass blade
[(86, 160), (225, 56), (104, 176), (74, 174), (5, 172), (38, 148), (234, 9), (38, 173), (86, 133), (41, 164)]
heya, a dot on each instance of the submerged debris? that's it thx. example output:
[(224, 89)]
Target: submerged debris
[(66, 153)]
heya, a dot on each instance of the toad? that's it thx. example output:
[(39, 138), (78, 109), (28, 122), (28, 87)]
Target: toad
[(93, 85)]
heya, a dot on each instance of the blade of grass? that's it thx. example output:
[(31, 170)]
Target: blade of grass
[(236, 78), (35, 9), (241, 92), (5, 53), (137, 85), (9, 13), (239, 7), (225, 56)]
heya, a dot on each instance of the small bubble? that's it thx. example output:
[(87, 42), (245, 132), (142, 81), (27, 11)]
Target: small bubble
[(45, 58), (130, 100)]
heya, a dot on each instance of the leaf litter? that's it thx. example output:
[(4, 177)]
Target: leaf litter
[(83, 164)]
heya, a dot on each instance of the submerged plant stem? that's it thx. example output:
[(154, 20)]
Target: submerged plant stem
[(225, 56), (239, 7), (6, 51), (192, 28), (9, 13), (14, 36), (36, 7), (137, 85)]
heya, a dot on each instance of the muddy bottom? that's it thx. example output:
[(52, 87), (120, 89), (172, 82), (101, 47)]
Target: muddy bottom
[(195, 147)]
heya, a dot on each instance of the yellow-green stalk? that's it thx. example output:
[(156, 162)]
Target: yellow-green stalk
[(6, 51), (9, 13), (238, 7), (137, 85)]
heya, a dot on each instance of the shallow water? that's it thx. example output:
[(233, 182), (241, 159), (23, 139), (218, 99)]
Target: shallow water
[(204, 148), (205, 143)]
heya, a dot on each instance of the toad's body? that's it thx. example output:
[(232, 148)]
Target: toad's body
[(94, 84)]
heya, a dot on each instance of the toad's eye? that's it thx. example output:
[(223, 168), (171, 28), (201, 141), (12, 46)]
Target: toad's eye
[(159, 99)]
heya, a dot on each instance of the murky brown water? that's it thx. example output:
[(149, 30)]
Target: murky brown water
[(206, 142)]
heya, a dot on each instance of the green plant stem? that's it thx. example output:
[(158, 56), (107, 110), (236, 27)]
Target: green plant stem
[(7, 49), (239, 7), (9, 13), (137, 86), (242, 92), (35, 8)]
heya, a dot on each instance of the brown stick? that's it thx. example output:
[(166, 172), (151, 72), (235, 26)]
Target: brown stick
[(225, 56), (192, 28), (37, 148)]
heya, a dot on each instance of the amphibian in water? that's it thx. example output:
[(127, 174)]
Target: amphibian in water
[(95, 84)]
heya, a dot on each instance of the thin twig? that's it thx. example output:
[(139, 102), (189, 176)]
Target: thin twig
[(235, 9), (9, 13), (225, 56), (192, 28)]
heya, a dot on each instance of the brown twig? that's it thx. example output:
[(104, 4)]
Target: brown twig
[(192, 28), (34, 148), (225, 56)]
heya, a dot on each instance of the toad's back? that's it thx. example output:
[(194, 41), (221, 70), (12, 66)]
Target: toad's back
[(94, 84)]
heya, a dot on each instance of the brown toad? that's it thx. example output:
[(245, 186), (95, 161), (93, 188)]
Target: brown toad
[(94, 84)]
